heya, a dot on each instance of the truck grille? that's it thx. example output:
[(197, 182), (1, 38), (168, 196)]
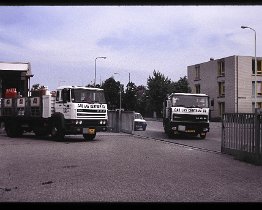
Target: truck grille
[(91, 113), (190, 118)]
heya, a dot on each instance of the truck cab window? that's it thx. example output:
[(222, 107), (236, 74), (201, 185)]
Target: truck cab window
[(57, 96), (65, 95)]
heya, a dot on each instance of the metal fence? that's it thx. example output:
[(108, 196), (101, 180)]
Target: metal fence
[(242, 136), (125, 124)]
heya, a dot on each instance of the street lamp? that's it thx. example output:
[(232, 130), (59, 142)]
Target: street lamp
[(95, 69), (244, 27), (119, 116)]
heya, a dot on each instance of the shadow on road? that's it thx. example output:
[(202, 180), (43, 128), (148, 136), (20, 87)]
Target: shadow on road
[(67, 139)]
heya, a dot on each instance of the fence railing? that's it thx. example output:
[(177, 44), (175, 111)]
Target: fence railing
[(242, 136)]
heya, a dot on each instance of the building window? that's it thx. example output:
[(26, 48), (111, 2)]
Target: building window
[(197, 88), (259, 88), (221, 106), (221, 89), (197, 71), (259, 66), (259, 105), (221, 68)]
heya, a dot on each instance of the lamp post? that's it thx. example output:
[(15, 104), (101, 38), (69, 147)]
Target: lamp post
[(95, 69), (119, 116), (244, 27)]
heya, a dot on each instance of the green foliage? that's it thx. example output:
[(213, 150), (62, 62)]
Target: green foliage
[(144, 99), (130, 100), (142, 104), (181, 86), (111, 89), (158, 87)]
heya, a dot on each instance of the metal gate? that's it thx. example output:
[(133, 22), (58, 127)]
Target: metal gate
[(242, 136)]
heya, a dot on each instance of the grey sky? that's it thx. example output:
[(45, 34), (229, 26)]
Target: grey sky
[(62, 42)]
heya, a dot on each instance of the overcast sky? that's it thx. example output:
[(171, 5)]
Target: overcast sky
[(62, 42)]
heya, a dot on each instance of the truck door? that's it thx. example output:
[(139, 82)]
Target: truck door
[(62, 105), (66, 109)]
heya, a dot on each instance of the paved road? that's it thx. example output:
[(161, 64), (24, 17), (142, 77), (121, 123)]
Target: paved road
[(121, 168), (212, 141)]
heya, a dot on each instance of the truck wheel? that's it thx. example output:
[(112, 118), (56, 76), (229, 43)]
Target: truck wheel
[(203, 135), (57, 132), (13, 130), (171, 134), (144, 128), (89, 137), (2, 127)]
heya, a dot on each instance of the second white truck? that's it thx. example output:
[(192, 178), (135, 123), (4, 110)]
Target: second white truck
[(186, 113)]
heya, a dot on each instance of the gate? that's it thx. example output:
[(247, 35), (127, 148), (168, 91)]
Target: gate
[(242, 136)]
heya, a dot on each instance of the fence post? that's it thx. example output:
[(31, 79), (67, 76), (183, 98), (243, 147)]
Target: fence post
[(257, 134), (223, 134)]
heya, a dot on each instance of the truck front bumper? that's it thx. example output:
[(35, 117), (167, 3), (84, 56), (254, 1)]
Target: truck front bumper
[(75, 127), (189, 127)]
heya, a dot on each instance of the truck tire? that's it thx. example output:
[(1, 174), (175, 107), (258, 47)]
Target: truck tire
[(203, 136), (171, 134), (13, 129), (57, 127), (2, 127), (169, 131), (89, 137)]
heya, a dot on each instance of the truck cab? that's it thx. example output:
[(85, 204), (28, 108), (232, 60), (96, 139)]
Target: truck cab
[(83, 109), (186, 113)]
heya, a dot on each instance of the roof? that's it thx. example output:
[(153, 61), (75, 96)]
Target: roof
[(189, 94), (16, 66), (78, 87)]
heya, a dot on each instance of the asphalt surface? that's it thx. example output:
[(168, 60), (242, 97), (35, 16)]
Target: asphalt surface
[(121, 168), (212, 142)]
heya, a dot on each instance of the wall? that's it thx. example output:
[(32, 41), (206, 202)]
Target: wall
[(126, 123)]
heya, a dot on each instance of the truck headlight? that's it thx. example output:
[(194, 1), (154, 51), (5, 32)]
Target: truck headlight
[(102, 122)]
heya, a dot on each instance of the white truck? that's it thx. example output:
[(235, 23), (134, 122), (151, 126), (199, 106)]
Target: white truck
[(71, 110), (186, 113)]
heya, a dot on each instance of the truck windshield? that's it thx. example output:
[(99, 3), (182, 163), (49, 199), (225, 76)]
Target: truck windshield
[(190, 101), (88, 96)]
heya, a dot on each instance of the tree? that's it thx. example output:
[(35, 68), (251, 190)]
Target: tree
[(111, 89), (158, 87), (142, 97), (181, 86), (130, 99)]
